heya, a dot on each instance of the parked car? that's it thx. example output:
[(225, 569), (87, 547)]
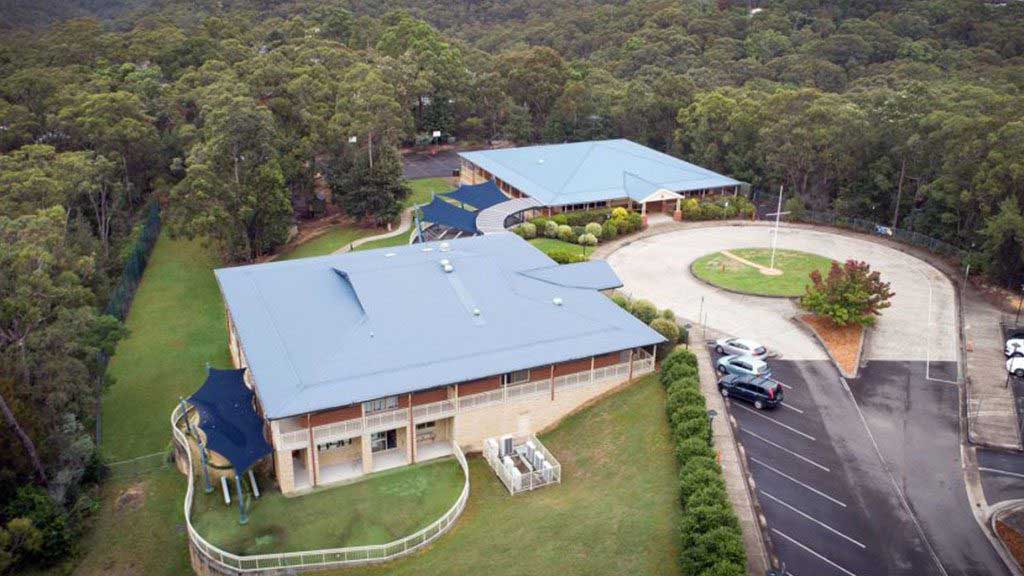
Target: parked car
[(1015, 366), (743, 366), (761, 392), (1014, 347), (740, 347)]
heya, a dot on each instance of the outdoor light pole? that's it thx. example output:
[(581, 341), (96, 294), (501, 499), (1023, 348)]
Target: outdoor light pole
[(711, 421), (206, 467), (775, 231)]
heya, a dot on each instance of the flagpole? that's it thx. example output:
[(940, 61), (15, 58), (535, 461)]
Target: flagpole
[(775, 233)]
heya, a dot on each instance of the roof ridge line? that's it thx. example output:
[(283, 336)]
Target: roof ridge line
[(575, 170)]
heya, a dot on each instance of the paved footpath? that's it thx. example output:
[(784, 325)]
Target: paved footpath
[(991, 412), (403, 228)]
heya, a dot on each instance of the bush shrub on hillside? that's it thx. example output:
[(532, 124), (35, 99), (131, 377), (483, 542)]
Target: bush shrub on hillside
[(587, 240), (565, 233), (670, 330), (550, 229), (594, 229), (644, 310)]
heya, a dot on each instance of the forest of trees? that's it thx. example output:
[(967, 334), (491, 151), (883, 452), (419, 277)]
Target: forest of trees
[(907, 112)]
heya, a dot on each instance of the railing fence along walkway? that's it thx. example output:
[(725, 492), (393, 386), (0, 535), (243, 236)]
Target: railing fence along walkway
[(296, 439), (208, 559)]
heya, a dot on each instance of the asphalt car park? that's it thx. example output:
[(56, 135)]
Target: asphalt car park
[(823, 490), (1002, 475), (429, 165)]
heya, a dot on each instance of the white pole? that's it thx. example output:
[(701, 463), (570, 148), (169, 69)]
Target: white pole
[(775, 233)]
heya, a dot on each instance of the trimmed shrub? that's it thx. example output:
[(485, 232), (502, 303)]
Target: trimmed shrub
[(694, 428), (564, 256), (704, 519), (565, 233), (584, 217), (713, 548), (561, 219), (668, 314), (609, 231), (679, 355), (685, 408), (550, 229), (692, 447), (594, 229), (725, 568), (708, 495), (694, 480), (670, 331), (729, 210), (622, 301), (710, 211), (644, 310), (528, 229), (691, 209), (636, 221), (620, 212), (587, 240), (539, 222)]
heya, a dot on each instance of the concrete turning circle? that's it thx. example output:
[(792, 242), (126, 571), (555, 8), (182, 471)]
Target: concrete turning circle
[(920, 325)]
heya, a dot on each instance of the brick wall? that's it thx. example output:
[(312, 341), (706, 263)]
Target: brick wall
[(336, 415)]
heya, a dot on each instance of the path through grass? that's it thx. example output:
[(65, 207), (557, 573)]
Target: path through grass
[(720, 270), (548, 245)]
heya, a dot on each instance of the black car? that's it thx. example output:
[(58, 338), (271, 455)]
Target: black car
[(760, 391)]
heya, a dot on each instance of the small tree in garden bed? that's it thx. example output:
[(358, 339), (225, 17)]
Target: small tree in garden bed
[(850, 294)]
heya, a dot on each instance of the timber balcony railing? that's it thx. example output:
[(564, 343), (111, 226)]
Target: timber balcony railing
[(209, 559), (297, 439)]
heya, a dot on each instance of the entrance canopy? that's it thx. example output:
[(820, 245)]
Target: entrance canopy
[(479, 196), (447, 214), (229, 420)]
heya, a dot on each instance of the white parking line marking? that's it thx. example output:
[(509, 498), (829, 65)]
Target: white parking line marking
[(998, 471), (795, 481), (773, 420), (784, 449), (787, 406), (819, 556), (815, 520)]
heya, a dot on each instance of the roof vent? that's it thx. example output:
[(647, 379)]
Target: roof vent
[(446, 265), (540, 161), (445, 247), (476, 311), (426, 249), (389, 255), (556, 301)]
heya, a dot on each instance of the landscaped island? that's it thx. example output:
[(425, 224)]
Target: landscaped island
[(748, 270)]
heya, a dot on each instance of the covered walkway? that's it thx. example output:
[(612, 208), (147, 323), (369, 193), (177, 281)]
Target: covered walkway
[(492, 220)]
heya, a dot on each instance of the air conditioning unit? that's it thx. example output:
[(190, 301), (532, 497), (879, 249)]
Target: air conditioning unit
[(529, 450), (538, 460), (491, 447), (507, 445), (548, 471), (509, 465)]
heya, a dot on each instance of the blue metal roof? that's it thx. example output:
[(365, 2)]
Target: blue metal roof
[(229, 420), (334, 330), (442, 212), (560, 174), (479, 196)]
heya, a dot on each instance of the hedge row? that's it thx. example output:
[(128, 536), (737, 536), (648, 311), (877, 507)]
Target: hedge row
[(588, 227), (722, 208), (662, 321), (711, 541)]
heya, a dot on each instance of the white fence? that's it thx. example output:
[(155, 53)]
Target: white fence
[(215, 560), (543, 471)]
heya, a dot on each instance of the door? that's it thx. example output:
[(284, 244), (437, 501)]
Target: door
[(386, 440)]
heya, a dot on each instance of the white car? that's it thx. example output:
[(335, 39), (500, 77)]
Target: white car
[(1015, 366), (740, 347), (1014, 347)]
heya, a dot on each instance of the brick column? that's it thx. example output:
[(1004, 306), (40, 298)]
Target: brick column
[(552, 382), (410, 448), (364, 443)]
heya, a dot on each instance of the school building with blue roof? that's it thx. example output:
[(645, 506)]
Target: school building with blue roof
[(370, 360)]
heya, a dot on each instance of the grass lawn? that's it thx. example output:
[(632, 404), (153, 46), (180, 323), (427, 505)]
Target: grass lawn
[(176, 326), (334, 238), (616, 511), (400, 240), (720, 270), (382, 508), (548, 245), (422, 188)]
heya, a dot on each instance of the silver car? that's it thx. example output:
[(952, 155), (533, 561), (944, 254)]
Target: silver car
[(740, 347)]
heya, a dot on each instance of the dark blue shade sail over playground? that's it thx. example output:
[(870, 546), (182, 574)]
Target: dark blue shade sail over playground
[(226, 415)]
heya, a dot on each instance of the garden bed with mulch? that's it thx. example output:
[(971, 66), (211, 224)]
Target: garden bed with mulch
[(843, 343), (1010, 529)]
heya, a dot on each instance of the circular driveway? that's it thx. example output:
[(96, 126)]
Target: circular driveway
[(920, 325)]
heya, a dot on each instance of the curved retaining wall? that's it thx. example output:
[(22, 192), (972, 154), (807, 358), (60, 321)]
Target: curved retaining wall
[(207, 559)]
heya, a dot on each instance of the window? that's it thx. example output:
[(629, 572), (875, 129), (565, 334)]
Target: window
[(386, 440), (380, 405), (624, 356), (426, 425), (517, 377)]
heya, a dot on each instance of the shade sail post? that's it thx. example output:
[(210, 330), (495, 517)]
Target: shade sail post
[(184, 413), (243, 518), (206, 468)]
